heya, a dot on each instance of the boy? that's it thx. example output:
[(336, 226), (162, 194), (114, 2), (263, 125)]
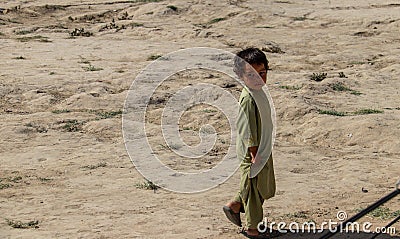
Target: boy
[(251, 65)]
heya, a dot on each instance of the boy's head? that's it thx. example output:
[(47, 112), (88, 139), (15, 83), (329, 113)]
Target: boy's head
[(251, 65)]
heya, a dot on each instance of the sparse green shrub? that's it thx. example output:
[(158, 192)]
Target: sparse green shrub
[(148, 185), (342, 75), (302, 18), (215, 20), (368, 111), (153, 57), (99, 165), (24, 32), (4, 185), (341, 87), (318, 76), (23, 225), (73, 125), (60, 111), (15, 179), (135, 24), (32, 38), (92, 68), (289, 87), (80, 32), (44, 179), (384, 213), (108, 114), (332, 112)]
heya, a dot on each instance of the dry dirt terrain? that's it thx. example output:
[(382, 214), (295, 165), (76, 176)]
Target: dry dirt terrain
[(66, 68)]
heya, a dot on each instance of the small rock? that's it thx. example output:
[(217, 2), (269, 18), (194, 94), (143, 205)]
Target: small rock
[(228, 85), (94, 94), (169, 11), (272, 47)]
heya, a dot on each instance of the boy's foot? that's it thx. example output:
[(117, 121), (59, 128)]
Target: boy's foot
[(235, 206), (232, 216), (253, 234), (232, 212)]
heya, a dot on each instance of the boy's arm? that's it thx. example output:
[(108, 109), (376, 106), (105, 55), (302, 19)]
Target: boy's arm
[(247, 126)]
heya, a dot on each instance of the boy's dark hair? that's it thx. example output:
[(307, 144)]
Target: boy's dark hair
[(251, 56)]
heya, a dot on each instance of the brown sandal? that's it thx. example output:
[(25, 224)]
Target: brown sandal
[(232, 216)]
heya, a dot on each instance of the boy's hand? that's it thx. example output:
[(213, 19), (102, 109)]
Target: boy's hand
[(253, 153)]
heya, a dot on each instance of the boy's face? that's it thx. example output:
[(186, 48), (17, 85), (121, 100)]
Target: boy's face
[(255, 76)]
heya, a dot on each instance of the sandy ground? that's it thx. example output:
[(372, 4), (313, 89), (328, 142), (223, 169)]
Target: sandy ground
[(62, 155)]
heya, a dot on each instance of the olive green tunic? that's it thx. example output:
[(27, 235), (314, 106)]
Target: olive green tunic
[(253, 191)]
